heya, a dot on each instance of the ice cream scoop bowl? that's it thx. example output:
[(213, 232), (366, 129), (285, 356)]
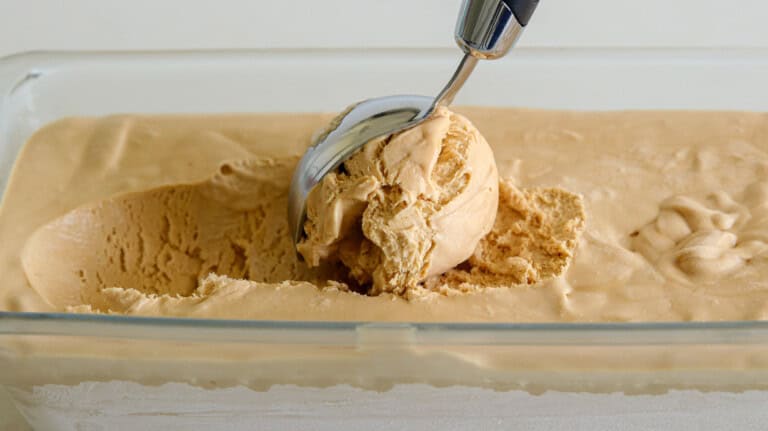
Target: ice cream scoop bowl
[(486, 29)]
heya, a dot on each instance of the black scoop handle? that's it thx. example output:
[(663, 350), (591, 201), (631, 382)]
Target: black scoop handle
[(523, 9)]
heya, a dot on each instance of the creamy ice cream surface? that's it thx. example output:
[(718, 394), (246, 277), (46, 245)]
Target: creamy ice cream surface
[(617, 216), (163, 241), (407, 206)]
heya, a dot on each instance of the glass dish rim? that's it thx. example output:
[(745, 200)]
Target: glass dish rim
[(72, 324), (347, 332)]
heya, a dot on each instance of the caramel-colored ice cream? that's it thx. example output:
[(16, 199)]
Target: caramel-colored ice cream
[(163, 241), (405, 207), (533, 239), (623, 216)]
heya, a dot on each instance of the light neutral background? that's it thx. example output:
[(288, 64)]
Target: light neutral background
[(213, 24), (193, 24)]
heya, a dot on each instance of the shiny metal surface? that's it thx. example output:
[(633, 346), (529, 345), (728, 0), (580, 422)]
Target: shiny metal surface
[(485, 29), (464, 69), (359, 124)]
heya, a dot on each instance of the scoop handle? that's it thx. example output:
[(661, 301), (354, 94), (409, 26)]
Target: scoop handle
[(488, 29), (523, 9)]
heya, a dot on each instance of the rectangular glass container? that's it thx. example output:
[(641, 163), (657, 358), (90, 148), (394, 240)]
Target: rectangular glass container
[(94, 372)]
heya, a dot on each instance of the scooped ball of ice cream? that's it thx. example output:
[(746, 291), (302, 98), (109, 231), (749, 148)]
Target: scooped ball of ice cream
[(405, 207)]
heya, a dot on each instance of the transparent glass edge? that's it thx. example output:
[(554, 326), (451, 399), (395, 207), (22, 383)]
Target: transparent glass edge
[(23, 63), (304, 332)]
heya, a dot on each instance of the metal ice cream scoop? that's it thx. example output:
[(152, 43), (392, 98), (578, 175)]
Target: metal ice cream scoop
[(486, 29)]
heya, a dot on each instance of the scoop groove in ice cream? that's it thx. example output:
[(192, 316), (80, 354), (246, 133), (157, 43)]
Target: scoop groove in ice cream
[(163, 241)]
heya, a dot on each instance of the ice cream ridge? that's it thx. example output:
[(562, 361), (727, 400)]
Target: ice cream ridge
[(419, 213)]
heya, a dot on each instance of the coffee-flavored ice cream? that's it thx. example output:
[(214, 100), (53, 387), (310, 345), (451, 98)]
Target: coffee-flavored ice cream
[(616, 216), (405, 207)]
